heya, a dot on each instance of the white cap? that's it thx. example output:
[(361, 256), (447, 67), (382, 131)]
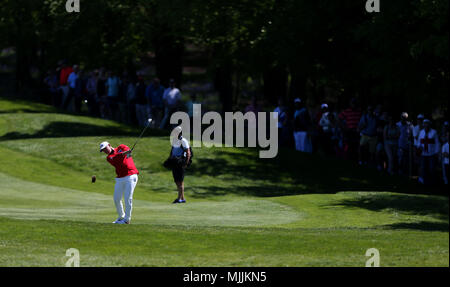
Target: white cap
[(324, 106), (404, 115), (103, 145), (297, 100)]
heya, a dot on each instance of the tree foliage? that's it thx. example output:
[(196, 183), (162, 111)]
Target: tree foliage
[(397, 56)]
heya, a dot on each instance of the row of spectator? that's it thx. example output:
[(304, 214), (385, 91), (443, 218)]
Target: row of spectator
[(127, 98), (372, 137)]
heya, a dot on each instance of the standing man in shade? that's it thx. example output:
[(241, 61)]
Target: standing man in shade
[(280, 113), (112, 94), (405, 141), (429, 148), (180, 154), (64, 73), (142, 106), (171, 99), (302, 127), (368, 128), (154, 94), (126, 180), (72, 82), (350, 118)]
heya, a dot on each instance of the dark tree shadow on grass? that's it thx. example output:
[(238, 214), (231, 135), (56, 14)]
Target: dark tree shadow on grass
[(292, 173), (436, 206), (421, 225), (26, 111), (255, 190), (73, 129)]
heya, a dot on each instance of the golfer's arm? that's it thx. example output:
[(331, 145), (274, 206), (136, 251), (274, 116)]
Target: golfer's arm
[(126, 150), (188, 154)]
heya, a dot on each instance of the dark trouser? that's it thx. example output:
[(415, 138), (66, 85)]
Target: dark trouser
[(93, 105), (351, 138), (168, 111), (68, 99), (112, 107), (178, 174), (403, 161), (325, 144), (156, 114), (391, 153), (131, 117), (78, 100), (428, 168), (416, 162), (56, 98), (283, 136), (445, 173)]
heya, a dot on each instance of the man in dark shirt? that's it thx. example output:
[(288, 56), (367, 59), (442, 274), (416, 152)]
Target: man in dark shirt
[(142, 106)]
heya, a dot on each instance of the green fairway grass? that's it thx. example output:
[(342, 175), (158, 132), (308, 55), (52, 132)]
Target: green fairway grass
[(294, 210)]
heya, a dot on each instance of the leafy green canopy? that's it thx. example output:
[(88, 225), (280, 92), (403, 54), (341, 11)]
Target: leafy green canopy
[(399, 55)]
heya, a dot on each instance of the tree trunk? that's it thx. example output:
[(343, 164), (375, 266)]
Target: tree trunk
[(23, 77), (297, 85), (168, 59), (223, 82), (275, 84)]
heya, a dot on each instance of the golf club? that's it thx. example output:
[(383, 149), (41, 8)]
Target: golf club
[(142, 133)]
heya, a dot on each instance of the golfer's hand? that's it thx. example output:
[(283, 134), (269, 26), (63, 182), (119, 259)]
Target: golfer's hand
[(127, 153)]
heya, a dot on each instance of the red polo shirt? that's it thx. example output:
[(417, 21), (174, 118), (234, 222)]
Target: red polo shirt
[(124, 166), (64, 75), (351, 118)]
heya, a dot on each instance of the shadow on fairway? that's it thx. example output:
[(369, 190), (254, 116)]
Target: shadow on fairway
[(292, 173), (436, 207), (257, 190), (24, 106), (74, 129), (25, 111), (422, 226)]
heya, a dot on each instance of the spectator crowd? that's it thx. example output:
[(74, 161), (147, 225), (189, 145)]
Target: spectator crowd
[(372, 137), (126, 98)]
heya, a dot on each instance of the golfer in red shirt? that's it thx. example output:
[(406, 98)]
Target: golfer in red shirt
[(126, 180)]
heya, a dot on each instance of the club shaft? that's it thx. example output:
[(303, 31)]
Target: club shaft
[(140, 136)]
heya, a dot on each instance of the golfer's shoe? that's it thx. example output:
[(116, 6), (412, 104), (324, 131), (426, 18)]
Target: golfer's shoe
[(123, 221), (179, 201), (118, 220)]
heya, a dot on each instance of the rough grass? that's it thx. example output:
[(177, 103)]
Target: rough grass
[(295, 210)]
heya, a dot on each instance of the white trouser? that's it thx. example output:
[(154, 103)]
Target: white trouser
[(124, 188), (302, 142)]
